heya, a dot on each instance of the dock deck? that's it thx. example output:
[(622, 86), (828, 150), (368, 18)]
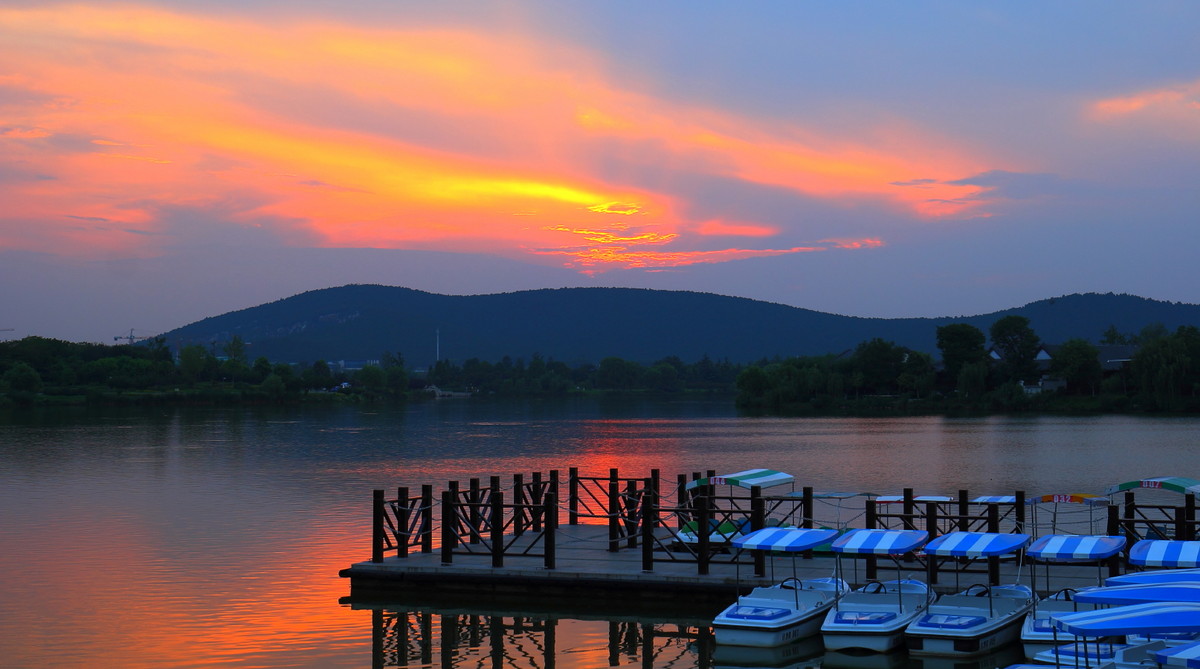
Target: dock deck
[(584, 568)]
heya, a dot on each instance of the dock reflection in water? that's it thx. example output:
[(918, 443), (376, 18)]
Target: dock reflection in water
[(444, 639)]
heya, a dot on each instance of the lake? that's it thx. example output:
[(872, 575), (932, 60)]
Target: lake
[(167, 537)]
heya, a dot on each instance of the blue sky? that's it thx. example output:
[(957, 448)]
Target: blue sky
[(163, 161)]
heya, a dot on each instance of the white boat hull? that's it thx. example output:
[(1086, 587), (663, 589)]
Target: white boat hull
[(872, 621), (966, 625), (774, 616)]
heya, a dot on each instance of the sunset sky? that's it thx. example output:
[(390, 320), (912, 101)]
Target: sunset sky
[(161, 162)]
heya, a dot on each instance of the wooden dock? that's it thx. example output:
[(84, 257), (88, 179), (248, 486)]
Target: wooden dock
[(622, 541), (586, 571)]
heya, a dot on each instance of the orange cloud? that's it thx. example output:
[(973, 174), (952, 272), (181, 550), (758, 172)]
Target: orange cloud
[(723, 229), (433, 139), (1180, 103), (866, 243)]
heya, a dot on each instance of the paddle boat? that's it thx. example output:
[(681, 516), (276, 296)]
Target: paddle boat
[(980, 618), (781, 613), (1156, 576), (1101, 625), (1187, 656), (874, 616), (1037, 630), (1147, 593)]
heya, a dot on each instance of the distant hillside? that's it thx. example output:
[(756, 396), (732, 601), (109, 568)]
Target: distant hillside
[(576, 325)]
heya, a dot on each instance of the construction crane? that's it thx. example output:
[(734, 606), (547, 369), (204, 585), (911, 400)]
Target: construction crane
[(129, 338)]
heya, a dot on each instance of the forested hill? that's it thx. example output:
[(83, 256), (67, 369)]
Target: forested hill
[(574, 325)]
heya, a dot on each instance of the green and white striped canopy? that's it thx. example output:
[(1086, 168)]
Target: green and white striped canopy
[(764, 478), (1173, 483)]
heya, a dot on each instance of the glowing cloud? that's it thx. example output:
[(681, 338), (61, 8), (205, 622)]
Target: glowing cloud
[(363, 137)]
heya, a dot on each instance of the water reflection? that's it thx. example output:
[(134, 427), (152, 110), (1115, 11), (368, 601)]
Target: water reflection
[(445, 639), (456, 639)]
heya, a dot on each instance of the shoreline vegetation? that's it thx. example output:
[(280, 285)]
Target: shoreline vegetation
[(877, 378)]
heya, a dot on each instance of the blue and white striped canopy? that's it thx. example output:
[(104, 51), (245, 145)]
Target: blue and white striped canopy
[(764, 478), (1064, 547), (1165, 553), (879, 542), (1159, 576), (893, 499), (1187, 655), (790, 539), (1140, 593), (996, 499), (1158, 618), (975, 544)]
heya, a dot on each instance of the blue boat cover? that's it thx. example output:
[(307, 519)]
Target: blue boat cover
[(762, 613), (764, 478), (1187, 655), (1154, 618), (1165, 553), (1075, 547), (950, 622), (1143, 593), (879, 542), (975, 544), (790, 539), (1161, 576), (996, 499)]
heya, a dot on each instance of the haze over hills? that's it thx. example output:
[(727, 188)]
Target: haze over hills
[(577, 325)]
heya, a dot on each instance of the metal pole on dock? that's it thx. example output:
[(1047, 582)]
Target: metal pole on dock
[(551, 531), (649, 522), (758, 517), (449, 517), (573, 496), (614, 512), (403, 512), (497, 520), (377, 512), (427, 518)]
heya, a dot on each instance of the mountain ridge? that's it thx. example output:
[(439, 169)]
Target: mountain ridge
[(576, 325)]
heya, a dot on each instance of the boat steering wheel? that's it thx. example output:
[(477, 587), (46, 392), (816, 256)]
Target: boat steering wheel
[(872, 586), (977, 590)]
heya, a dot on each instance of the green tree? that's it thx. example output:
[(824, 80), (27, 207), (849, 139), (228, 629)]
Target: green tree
[(877, 365), (22, 379), (1018, 346), (960, 344), (972, 380), (1077, 363), (371, 378)]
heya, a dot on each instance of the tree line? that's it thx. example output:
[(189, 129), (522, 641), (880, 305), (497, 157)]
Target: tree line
[(38, 369), (877, 375), (1163, 374)]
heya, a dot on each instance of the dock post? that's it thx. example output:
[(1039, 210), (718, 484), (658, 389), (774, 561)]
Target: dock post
[(497, 534), (427, 518), (910, 508), (1180, 524), (551, 529), (1130, 534), (474, 514), (519, 501), (964, 512), (573, 496), (702, 530), (681, 501), (449, 517), (872, 523), (1114, 529), (1020, 511), (377, 512), (993, 563), (554, 490), (614, 512), (806, 507), (758, 517), (537, 493), (649, 522), (403, 520), (1189, 516)]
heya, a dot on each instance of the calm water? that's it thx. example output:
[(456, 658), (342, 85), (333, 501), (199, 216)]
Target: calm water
[(200, 538)]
